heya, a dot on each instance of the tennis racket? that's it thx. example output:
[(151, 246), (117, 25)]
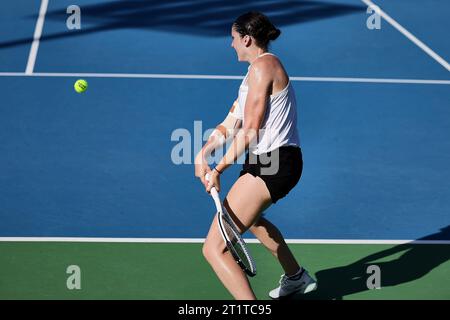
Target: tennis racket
[(232, 237)]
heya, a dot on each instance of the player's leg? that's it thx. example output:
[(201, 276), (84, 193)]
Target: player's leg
[(295, 279), (224, 265), (273, 240), (245, 201)]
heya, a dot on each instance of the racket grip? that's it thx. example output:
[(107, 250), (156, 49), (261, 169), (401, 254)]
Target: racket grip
[(214, 194)]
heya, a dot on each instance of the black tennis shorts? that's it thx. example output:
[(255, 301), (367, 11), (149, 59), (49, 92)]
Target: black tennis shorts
[(280, 169)]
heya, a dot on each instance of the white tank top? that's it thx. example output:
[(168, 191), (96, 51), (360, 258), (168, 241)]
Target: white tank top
[(279, 126)]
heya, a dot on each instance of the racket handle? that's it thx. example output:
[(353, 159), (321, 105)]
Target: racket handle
[(215, 195)]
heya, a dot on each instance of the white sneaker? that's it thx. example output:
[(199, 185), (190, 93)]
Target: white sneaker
[(287, 286)]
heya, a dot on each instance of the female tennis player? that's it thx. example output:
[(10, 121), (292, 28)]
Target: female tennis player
[(262, 121)]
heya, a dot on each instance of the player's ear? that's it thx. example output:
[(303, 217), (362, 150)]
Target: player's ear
[(247, 40)]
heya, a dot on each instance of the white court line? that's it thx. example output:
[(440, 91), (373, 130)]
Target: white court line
[(201, 240), (36, 38), (370, 80), (218, 77), (408, 34)]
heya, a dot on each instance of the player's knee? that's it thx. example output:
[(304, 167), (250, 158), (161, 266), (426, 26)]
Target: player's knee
[(208, 250), (257, 230), (205, 250), (212, 251)]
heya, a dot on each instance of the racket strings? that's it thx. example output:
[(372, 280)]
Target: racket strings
[(238, 244)]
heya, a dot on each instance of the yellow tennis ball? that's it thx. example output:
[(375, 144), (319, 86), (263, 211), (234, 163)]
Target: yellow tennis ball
[(81, 86)]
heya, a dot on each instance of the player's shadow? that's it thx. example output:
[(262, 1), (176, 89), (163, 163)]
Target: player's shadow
[(198, 17), (409, 262)]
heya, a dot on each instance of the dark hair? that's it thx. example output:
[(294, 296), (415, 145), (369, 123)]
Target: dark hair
[(258, 26)]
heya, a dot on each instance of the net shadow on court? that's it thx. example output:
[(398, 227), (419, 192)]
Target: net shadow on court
[(202, 18)]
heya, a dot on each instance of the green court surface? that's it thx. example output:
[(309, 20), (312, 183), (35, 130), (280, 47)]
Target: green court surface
[(178, 271)]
